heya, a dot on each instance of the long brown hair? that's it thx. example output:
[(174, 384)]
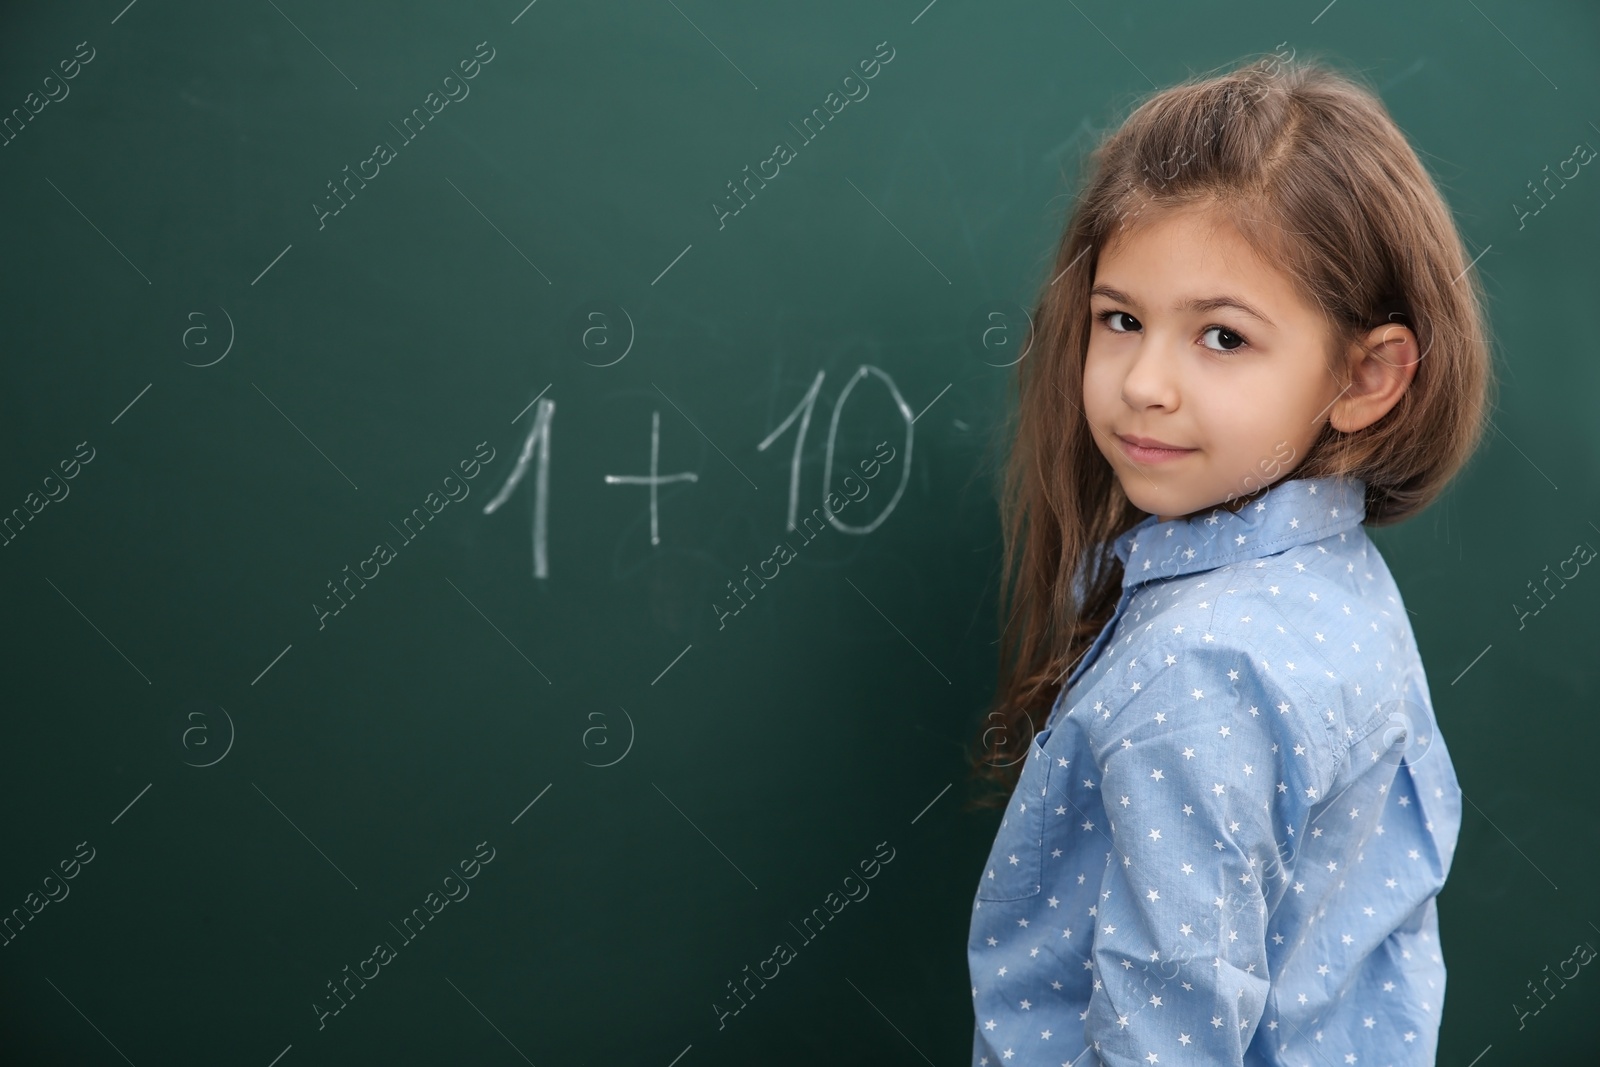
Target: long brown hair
[(1314, 173)]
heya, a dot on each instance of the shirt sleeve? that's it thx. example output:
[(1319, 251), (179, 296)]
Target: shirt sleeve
[(1208, 761)]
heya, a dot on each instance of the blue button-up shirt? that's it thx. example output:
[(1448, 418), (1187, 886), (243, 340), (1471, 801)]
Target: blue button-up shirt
[(1226, 843)]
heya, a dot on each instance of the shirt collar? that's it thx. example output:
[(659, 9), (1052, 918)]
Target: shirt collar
[(1295, 511)]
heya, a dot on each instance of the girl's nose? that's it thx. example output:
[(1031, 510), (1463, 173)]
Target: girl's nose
[(1152, 379)]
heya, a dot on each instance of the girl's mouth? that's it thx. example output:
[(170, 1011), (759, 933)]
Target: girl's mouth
[(1148, 450)]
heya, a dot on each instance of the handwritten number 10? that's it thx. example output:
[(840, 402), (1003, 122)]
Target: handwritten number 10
[(803, 411)]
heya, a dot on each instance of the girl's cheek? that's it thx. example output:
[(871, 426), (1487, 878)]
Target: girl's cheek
[(1092, 404), (1095, 374)]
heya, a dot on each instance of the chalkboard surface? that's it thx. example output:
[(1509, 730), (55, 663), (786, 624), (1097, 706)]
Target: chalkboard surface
[(427, 639)]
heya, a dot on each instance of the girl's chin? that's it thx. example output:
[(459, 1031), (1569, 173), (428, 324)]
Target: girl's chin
[(1164, 506)]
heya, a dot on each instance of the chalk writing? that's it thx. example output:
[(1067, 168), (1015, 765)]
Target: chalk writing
[(654, 479), (538, 437), (803, 410)]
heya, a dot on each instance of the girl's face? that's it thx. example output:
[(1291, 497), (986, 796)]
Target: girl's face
[(1207, 374)]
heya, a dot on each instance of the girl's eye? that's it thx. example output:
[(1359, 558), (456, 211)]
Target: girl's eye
[(1110, 317), (1226, 338)]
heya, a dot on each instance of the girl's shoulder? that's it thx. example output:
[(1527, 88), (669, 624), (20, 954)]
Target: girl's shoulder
[(1317, 632)]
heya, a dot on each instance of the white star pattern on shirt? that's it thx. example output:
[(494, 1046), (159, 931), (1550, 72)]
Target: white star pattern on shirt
[(1178, 745)]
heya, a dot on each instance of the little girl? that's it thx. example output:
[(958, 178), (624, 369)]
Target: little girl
[(1226, 835)]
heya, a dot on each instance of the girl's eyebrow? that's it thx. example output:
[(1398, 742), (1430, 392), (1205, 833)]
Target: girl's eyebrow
[(1210, 303)]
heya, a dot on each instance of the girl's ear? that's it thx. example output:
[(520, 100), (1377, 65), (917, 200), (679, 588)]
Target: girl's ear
[(1379, 367)]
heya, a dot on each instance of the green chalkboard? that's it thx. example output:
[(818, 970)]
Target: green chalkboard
[(427, 639)]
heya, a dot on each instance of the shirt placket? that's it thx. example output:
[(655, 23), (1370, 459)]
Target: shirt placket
[(1095, 648)]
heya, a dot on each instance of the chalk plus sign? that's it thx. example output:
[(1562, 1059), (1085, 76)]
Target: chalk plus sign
[(653, 479)]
